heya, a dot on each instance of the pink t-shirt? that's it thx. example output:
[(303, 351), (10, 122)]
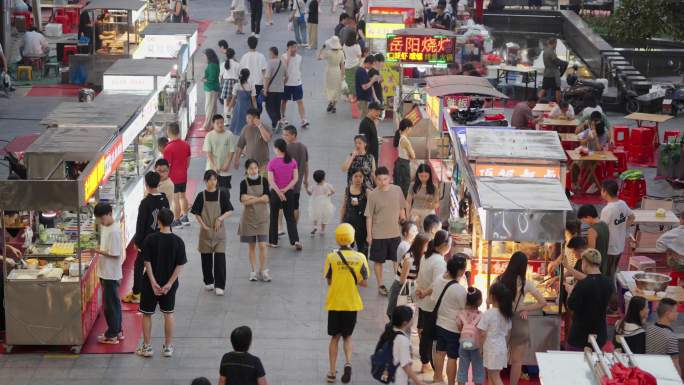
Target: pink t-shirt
[(282, 172)]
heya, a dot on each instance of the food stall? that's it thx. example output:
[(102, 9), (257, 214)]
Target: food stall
[(494, 213), (52, 299), (176, 42), (116, 34)]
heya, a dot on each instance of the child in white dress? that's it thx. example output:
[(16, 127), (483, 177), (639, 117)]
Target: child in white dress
[(495, 325), (320, 205)]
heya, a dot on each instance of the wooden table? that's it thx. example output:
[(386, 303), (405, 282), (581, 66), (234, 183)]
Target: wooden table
[(591, 177), (561, 124), (568, 137), (648, 217), (640, 117), (529, 75), (543, 107)]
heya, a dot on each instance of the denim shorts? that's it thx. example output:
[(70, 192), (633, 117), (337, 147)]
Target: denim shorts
[(448, 342)]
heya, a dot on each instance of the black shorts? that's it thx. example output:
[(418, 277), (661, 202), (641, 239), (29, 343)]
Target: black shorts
[(382, 250), (180, 187), (149, 301), (550, 84), (448, 341), (341, 323)]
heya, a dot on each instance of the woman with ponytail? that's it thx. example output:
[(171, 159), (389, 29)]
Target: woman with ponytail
[(229, 76), (244, 98), (402, 166), (398, 332), (211, 86), (432, 267), (282, 177)]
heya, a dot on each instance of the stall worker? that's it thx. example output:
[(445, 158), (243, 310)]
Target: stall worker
[(211, 208), (34, 45)]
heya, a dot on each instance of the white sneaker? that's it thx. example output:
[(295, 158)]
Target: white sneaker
[(257, 35), (167, 351), (219, 291), (265, 276), (253, 277), (209, 287), (144, 350)]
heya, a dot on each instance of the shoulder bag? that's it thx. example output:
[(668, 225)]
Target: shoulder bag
[(344, 260), (433, 320)]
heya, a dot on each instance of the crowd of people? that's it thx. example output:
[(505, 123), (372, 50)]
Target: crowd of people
[(384, 218)]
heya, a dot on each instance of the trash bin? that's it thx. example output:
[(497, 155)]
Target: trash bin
[(86, 95)]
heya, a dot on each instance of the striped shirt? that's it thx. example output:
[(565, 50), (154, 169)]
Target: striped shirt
[(660, 339), (413, 271)]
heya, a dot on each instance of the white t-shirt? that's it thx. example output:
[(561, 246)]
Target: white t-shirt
[(246, 87), (293, 70), (453, 303), (220, 145), (401, 352), (34, 44), (615, 214), (352, 55), (402, 249), (255, 62), (232, 73), (430, 270), (111, 243)]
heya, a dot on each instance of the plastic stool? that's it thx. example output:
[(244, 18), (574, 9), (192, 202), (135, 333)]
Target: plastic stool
[(35, 62), (641, 263), (621, 156), (641, 136), (621, 135), (65, 22), (632, 191), (670, 134), (68, 49), (25, 70), (28, 19), (52, 65), (676, 276)]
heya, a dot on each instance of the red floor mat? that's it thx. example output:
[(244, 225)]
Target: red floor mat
[(132, 328), (586, 199), (201, 29), (62, 90), (197, 128)]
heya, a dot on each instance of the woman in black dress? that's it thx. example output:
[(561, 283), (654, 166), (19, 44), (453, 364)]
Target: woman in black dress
[(353, 208)]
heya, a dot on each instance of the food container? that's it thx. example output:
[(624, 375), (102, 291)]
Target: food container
[(651, 281)]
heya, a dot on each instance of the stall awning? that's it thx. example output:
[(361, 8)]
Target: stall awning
[(140, 67), (461, 84), (518, 144), (109, 110), (115, 4), (522, 209), (186, 29)]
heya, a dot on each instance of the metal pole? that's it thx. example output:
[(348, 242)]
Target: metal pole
[(489, 264)]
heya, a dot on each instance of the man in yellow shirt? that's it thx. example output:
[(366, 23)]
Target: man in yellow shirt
[(345, 271)]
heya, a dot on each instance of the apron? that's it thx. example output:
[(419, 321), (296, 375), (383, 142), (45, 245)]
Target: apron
[(209, 240), (255, 219)]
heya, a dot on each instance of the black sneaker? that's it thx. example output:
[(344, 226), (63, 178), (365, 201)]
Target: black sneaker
[(330, 107), (346, 376)]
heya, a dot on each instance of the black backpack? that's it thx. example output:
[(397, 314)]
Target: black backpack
[(382, 361)]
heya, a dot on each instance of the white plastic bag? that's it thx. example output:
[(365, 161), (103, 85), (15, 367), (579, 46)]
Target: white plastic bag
[(290, 26)]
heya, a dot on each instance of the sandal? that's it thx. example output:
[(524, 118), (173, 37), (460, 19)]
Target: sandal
[(330, 378)]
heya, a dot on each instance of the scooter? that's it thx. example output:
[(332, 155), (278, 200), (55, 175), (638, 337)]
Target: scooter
[(581, 89), (674, 99)]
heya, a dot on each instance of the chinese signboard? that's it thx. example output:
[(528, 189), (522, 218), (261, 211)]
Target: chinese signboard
[(381, 30), (420, 49), (92, 181), (528, 171)]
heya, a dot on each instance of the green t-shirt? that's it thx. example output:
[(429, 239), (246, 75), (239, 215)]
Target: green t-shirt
[(211, 74)]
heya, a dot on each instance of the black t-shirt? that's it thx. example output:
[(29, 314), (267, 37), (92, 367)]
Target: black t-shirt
[(444, 19), (368, 129), (377, 86), (164, 251), (241, 368), (243, 185), (313, 12), (589, 302), (146, 222), (211, 197), (83, 27)]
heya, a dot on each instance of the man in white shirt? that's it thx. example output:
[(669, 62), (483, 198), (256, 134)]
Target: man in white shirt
[(672, 243), (293, 82), (219, 145), (562, 110), (34, 44), (256, 63), (619, 217), (109, 271)]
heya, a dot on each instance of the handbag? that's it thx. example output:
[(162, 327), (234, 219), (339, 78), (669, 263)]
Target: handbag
[(407, 294), (300, 17)]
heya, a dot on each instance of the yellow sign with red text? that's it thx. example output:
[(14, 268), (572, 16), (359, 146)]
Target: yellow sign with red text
[(520, 171), (92, 181)]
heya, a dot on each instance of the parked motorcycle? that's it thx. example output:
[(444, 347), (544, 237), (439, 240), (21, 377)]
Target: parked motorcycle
[(674, 99)]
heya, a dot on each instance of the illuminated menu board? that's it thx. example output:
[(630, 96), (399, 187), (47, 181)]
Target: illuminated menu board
[(435, 49)]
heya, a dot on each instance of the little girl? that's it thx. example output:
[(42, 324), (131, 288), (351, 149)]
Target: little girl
[(469, 351), (320, 205), (495, 325)]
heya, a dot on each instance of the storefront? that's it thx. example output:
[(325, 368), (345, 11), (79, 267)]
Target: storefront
[(53, 299), (507, 196), (116, 35), (176, 42)]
